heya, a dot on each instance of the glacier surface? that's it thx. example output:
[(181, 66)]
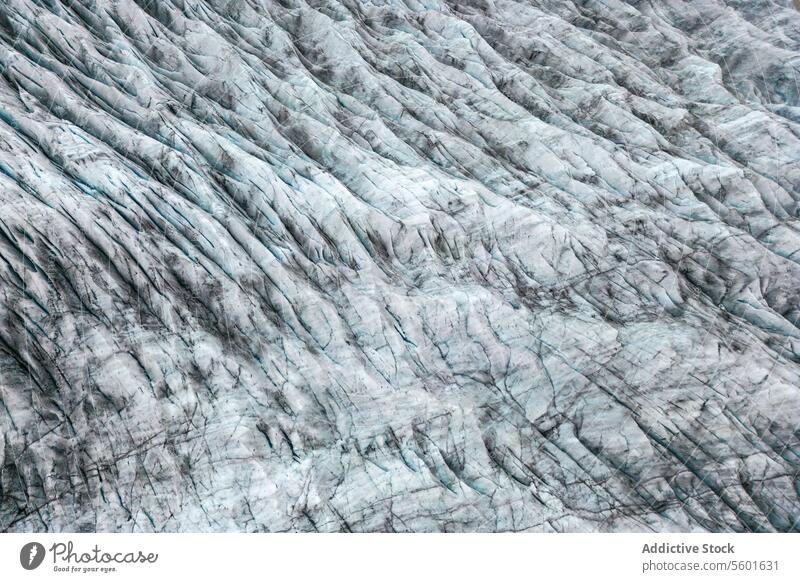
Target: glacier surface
[(399, 265)]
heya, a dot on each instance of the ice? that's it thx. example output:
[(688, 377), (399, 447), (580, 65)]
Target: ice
[(381, 265)]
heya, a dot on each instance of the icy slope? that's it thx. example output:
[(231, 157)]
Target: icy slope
[(384, 265)]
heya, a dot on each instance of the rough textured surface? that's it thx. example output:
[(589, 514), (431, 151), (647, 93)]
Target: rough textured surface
[(384, 265)]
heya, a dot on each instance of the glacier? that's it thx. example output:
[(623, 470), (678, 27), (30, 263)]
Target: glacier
[(399, 265)]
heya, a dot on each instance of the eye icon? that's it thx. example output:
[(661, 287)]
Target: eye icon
[(31, 555)]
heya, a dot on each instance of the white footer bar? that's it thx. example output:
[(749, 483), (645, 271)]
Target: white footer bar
[(401, 557)]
